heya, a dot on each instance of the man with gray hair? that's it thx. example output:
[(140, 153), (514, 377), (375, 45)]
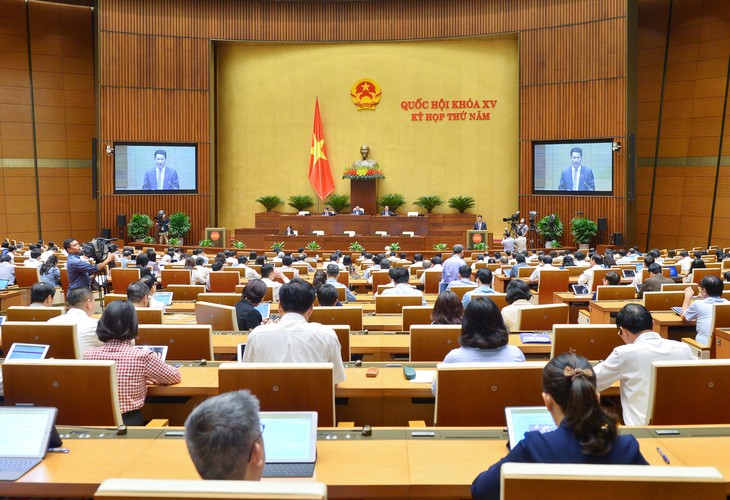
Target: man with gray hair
[(452, 264), (225, 438)]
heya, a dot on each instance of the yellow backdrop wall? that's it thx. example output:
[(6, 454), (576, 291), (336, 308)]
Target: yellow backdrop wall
[(265, 110)]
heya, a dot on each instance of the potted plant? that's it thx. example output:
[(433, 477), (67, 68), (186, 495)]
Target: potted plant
[(205, 243), (301, 202), (338, 202), (277, 246), (270, 202), (461, 203), (583, 230), (139, 226), (238, 244), (551, 228), (479, 246), (174, 242), (313, 245), (394, 247), (429, 202), (393, 201), (356, 247), (179, 226), (148, 239), (440, 247)]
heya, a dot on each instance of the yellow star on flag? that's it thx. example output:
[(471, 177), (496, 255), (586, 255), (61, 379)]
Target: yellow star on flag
[(317, 150)]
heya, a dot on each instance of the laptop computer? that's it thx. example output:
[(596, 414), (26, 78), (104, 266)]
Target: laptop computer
[(164, 297), (677, 310), (24, 435), (160, 350), (27, 351), (4, 284), (523, 419), (628, 273), (290, 443), (580, 290), (508, 272), (672, 271), (264, 309)]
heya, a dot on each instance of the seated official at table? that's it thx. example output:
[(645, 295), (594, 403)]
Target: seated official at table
[(710, 294), (42, 294), (586, 433), (328, 212), (358, 211), (136, 368), (387, 212), (251, 296), (225, 438), (518, 296)]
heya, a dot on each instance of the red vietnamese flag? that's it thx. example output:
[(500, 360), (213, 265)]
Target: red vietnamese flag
[(320, 175)]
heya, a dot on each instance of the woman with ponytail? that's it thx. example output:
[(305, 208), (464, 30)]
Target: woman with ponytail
[(585, 433)]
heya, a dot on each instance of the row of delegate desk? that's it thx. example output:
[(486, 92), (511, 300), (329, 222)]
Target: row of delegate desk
[(392, 463)]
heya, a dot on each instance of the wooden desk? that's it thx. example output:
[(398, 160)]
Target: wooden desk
[(670, 325), (500, 283), (601, 310), (576, 303), (389, 464), (14, 297), (722, 339)]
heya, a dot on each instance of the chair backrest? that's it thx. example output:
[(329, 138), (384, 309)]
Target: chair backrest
[(344, 277), (218, 316), (122, 277), (224, 281), (183, 341), (461, 290), (64, 278), (475, 394), (62, 339), (525, 271), (185, 292), (334, 315), (542, 317), (189, 489), (175, 277), (393, 304), (284, 386), (680, 287), (111, 297), (574, 270), (593, 342), (499, 299), (343, 334), (598, 275), (628, 482), (149, 316), (26, 313), (689, 392), (26, 277), (380, 278), (268, 296), (433, 342), (551, 281), (431, 283), (618, 292), (416, 315), (85, 392), (662, 301), (698, 274), (227, 299)]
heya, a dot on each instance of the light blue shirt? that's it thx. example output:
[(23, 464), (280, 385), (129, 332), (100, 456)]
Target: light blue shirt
[(480, 289), (451, 268), (349, 296), (505, 354), (701, 310)]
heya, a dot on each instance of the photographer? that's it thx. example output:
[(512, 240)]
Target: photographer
[(78, 270), (163, 224)]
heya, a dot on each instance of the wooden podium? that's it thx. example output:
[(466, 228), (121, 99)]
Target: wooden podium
[(217, 235), (365, 194), (477, 236)]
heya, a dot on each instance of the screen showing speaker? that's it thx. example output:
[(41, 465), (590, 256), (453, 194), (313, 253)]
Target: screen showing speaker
[(146, 168), (579, 167)]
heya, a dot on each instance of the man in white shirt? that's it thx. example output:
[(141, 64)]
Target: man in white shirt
[(293, 339), (432, 266), (701, 310), (80, 309), (547, 263), (268, 274), (250, 273), (286, 263), (631, 363), (508, 242), (399, 277), (200, 272), (685, 262), (580, 259), (375, 267), (586, 277), (521, 244), (34, 260)]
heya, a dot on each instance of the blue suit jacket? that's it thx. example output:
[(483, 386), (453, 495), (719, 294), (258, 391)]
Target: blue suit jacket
[(171, 181), (585, 183), (557, 447)]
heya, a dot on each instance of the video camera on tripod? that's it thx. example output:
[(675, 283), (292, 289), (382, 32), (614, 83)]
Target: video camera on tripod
[(98, 248), (513, 220)]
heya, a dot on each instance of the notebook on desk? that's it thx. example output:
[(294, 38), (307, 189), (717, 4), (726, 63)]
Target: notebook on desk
[(628, 273), (580, 290), (290, 443), (160, 350), (164, 297), (523, 419), (27, 351), (24, 434)]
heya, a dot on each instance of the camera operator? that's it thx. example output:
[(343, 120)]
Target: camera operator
[(522, 228), (163, 224), (78, 270)]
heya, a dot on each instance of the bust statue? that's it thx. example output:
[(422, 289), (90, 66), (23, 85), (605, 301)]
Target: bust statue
[(365, 162)]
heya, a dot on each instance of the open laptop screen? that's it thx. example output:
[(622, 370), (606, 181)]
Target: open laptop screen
[(290, 437), (263, 308), (27, 351), (164, 297), (24, 431), (4, 284), (523, 419)]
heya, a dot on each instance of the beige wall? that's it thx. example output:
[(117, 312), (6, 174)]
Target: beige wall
[(266, 94)]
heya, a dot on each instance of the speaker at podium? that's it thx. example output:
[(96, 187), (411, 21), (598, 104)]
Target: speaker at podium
[(217, 235), (474, 237)]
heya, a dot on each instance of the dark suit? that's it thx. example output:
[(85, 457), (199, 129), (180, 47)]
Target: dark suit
[(170, 182), (653, 284), (248, 317), (480, 226), (328, 212), (585, 183), (387, 213), (358, 212), (557, 447)]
